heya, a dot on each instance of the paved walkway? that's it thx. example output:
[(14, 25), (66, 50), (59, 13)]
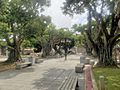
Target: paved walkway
[(44, 76)]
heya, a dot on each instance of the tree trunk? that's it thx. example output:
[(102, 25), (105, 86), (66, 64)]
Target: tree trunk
[(88, 49), (46, 50), (14, 53), (88, 43), (105, 57)]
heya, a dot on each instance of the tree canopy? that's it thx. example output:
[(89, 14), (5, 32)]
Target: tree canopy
[(16, 18), (106, 15)]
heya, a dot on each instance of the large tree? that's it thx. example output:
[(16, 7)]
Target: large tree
[(53, 38), (16, 17), (106, 13), (40, 26)]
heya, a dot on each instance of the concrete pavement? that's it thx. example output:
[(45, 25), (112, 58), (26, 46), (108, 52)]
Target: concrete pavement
[(44, 76)]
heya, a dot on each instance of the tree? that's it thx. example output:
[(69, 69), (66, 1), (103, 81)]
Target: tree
[(54, 38), (79, 34), (15, 19), (40, 25), (106, 18)]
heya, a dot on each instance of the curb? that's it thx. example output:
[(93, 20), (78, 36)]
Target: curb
[(90, 83), (88, 78)]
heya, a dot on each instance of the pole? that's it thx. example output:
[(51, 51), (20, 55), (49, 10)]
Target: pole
[(101, 83)]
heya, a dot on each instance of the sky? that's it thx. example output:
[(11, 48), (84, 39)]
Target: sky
[(59, 19)]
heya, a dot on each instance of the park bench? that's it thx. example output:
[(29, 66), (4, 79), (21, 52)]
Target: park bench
[(70, 83), (22, 65)]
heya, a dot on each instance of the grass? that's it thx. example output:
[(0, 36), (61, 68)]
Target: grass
[(112, 77)]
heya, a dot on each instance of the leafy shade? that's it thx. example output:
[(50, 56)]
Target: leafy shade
[(16, 18)]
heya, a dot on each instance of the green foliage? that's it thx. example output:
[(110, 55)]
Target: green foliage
[(16, 16), (79, 28), (16, 20), (55, 35), (79, 34), (103, 33), (2, 42), (26, 44), (79, 6), (72, 6)]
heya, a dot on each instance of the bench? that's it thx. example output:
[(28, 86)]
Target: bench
[(70, 83), (22, 65)]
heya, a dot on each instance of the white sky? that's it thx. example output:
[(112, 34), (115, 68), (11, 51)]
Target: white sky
[(60, 20)]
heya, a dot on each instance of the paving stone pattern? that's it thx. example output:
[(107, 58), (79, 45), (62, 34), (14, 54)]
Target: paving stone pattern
[(44, 76)]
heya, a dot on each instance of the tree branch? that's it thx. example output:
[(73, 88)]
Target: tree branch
[(104, 26), (113, 24), (115, 43), (114, 39), (89, 37)]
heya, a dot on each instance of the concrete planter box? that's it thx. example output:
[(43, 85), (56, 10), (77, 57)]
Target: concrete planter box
[(79, 68), (87, 61)]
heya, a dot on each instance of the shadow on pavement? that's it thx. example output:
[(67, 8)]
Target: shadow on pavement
[(51, 79), (12, 73)]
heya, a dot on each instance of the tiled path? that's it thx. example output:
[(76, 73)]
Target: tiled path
[(44, 76)]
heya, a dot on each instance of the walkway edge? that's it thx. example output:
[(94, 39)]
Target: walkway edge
[(88, 78), (93, 81), (90, 83)]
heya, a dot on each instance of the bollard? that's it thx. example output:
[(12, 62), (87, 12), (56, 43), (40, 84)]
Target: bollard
[(87, 61), (82, 59), (79, 68), (92, 63), (101, 83)]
